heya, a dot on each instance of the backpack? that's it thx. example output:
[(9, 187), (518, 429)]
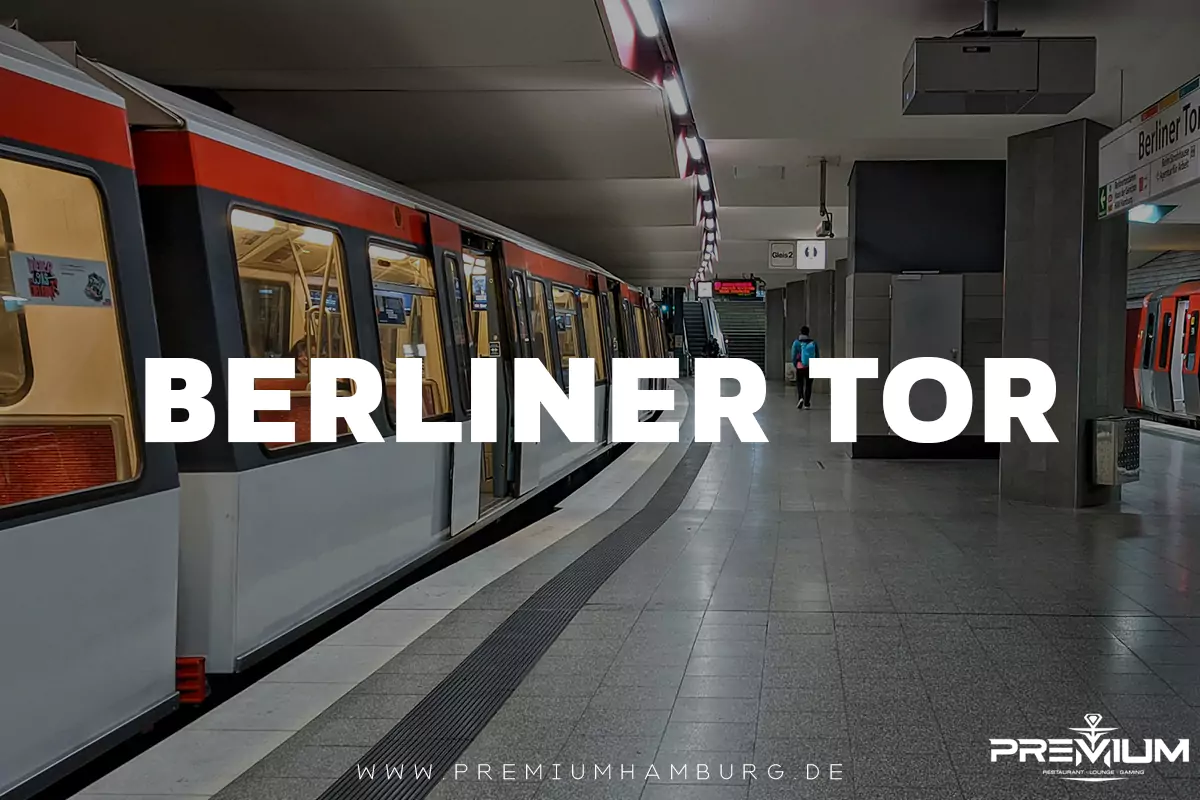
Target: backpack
[(808, 350)]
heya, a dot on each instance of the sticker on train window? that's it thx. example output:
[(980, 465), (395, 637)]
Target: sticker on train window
[(60, 281), (479, 298)]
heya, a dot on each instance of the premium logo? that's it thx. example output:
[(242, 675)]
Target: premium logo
[(1093, 758)]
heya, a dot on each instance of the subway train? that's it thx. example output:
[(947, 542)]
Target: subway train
[(1164, 370), (137, 223)]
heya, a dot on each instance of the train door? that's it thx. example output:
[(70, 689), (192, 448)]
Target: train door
[(1143, 368), (532, 343), (1160, 366), (489, 332), (1190, 367), (1176, 356)]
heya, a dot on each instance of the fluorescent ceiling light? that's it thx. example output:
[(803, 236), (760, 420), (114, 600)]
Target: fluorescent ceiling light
[(710, 224), (708, 206), (675, 94), (647, 20), (251, 222), (316, 236), (711, 236), (388, 254), (1149, 213), (705, 182), (693, 145)]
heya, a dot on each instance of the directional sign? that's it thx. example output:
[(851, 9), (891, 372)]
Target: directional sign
[(810, 254), (782, 255)]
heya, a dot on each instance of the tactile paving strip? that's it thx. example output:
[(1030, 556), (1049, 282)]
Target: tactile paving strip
[(447, 720)]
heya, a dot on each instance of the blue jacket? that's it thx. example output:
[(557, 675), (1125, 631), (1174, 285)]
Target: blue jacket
[(803, 350)]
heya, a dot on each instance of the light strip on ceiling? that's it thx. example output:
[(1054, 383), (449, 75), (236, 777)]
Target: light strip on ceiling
[(647, 20), (705, 182), (316, 236), (675, 95), (251, 222), (693, 145)]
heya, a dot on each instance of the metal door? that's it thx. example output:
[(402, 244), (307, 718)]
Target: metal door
[(927, 322), (1191, 342)]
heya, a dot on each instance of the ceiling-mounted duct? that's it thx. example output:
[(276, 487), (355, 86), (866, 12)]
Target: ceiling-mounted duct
[(984, 70)]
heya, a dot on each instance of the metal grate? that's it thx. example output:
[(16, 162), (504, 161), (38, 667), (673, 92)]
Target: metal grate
[(444, 723)]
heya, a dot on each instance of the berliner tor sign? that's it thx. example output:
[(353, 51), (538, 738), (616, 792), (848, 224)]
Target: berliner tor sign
[(1153, 154)]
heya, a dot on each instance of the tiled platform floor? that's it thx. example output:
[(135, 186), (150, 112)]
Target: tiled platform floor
[(803, 609)]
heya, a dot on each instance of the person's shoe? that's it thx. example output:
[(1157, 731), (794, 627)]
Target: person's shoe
[(800, 404)]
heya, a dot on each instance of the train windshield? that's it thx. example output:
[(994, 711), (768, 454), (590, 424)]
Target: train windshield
[(66, 420)]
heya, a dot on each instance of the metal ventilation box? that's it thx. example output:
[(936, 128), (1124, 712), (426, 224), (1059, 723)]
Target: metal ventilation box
[(1116, 450), (998, 75)]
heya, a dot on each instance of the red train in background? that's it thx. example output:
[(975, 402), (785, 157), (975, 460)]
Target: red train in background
[(1161, 344)]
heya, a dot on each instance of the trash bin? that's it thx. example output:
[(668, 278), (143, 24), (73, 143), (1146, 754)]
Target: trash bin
[(1116, 450)]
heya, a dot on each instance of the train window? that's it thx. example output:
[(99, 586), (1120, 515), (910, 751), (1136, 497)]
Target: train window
[(1148, 345), (631, 339), (619, 344), (479, 278), (406, 311), (566, 323), (16, 369), (593, 334), (272, 253), (66, 414), (1164, 350), (639, 318), (267, 306), (537, 323)]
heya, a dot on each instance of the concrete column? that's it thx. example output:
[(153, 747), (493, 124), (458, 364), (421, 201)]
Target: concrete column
[(818, 315), (841, 270), (795, 307), (1064, 299), (776, 335)]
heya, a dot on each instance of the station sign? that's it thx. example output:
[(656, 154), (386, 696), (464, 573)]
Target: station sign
[(782, 255), (1152, 154)]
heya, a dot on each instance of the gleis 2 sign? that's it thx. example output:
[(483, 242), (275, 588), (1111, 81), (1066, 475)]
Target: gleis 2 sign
[(574, 410)]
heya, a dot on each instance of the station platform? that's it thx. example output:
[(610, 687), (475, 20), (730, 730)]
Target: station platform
[(733, 607)]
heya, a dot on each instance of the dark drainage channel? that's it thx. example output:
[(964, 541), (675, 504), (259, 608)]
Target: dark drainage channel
[(224, 687), (443, 724)]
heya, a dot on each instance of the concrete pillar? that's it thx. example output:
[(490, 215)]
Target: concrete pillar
[(1064, 300), (943, 217), (841, 270), (795, 307), (776, 336), (818, 316)]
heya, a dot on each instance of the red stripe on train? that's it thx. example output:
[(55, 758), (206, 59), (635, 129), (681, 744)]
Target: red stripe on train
[(179, 158), (50, 116)]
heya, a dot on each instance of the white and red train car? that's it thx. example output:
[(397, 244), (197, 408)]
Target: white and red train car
[(137, 223)]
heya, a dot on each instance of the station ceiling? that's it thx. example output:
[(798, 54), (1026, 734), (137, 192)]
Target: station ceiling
[(520, 111)]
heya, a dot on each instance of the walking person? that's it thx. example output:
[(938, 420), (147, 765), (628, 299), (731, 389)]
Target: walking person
[(804, 349)]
